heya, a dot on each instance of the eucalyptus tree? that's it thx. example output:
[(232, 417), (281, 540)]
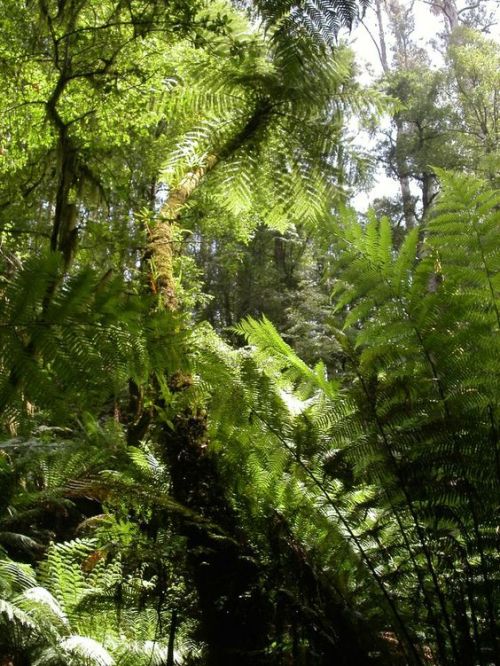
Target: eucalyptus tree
[(474, 86), (444, 114)]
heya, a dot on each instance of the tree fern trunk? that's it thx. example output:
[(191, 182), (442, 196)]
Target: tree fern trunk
[(235, 613)]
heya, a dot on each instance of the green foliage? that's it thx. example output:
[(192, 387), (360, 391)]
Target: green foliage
[(286, 364), (70, 345), (445, 115), (267, 118), (321, 19), (95, 595), (417, 418), (159, 486), (475, 84), (69, 620)]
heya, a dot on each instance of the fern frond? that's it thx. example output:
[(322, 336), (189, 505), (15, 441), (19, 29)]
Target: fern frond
[(280, 358), (13, 615), (86, 649)]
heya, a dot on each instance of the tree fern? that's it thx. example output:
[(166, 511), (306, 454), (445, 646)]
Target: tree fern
[(261, 126), (321, 19), (417, 419), (271, 443), (84, 344)]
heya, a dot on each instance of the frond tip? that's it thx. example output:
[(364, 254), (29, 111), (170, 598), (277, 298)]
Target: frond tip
[(279, 358)]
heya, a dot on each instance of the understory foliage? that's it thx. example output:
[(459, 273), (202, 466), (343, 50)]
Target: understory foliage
[(319, 489), (413, 419), (379, 483)]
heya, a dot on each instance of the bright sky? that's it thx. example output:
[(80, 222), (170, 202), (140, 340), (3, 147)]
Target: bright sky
[(427, 27)]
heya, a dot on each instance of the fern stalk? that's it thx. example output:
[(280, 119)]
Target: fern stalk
[(408, 641)]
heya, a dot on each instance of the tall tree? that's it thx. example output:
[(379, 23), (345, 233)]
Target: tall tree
[(437, 121)]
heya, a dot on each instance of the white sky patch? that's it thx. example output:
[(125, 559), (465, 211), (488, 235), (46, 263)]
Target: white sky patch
[(427, 28), (295, 405)]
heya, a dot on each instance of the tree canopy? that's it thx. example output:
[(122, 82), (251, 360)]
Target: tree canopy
[(241, 422)]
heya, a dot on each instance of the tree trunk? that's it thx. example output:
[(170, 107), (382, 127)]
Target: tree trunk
[(400, 160), (235, 613), (171, 639)]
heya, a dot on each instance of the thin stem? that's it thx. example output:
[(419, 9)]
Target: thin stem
[(390, 601)]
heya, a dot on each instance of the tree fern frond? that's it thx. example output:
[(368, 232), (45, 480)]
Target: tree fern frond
[(10, 613), (274, 350), (86, 649), (40, 597), (146, 462), (90, 335), (15, 576)]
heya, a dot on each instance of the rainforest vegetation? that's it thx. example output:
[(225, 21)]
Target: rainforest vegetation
[(246, 420)]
